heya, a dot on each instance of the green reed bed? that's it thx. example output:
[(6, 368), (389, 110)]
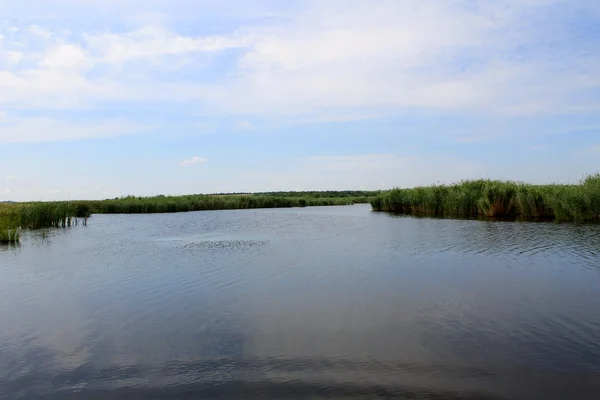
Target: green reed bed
[(9, 226), (52, 214), (9, 233), (329, 194), (39, 215), (492, 198), (169, 204)]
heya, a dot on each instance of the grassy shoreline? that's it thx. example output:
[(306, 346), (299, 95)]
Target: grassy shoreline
[(492, 198), (474, 198), (37, 215), (169, 204)]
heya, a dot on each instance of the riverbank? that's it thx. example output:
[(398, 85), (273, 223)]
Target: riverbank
[(37, 215), (167, 204), (492, 198)]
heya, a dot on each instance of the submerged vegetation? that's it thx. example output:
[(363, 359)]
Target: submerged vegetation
[(491, 198)]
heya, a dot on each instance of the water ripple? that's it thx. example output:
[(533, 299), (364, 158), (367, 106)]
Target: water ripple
[(301, 303)]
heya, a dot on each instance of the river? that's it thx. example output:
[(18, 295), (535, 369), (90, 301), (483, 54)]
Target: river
[(315, 303)]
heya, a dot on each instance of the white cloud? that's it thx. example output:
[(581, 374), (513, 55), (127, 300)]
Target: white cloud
[(152, 42), (10, 178), (330, 61), (66, 56), (192, 161), (372, 171), (14, 57), (431, 54), (38, 31)]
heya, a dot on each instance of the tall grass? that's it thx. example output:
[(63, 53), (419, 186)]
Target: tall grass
[(9, 233), (52, 214), (494, 198), (168, 204), (329, 194), (37, 215), (9, 227)]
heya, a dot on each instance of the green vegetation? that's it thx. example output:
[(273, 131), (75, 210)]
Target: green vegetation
[(15, 217), (167, 204), (325, 194), (9, 233), (498, 199), (37, 215), (52, 214), (9, 227)]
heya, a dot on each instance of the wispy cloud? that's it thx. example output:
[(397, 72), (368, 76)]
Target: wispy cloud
[(192, 161), (492, 58), (243, 125), (355, 83), (152, 42), (373, 171)]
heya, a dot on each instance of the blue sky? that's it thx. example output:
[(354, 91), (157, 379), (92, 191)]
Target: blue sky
[(102, 98)]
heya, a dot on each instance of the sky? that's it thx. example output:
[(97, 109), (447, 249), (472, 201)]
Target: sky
[(100, 99)]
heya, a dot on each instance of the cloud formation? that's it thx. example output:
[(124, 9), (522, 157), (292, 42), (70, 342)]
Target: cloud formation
[(192, 161), (300, 94), (383, 57)]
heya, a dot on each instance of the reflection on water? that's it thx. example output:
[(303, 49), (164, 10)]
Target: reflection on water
[(301, 303)]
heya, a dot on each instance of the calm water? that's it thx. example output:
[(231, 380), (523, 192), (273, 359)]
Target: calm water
[(312, 303)]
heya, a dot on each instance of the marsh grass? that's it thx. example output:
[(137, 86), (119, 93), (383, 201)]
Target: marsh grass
[(169, 204), (9, 234), (41, 215), (10, 231), (492, 198)]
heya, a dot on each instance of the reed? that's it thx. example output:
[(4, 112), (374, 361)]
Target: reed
[(10, 235), (9, 227), (40, 215), (169, 204), (492, 198)]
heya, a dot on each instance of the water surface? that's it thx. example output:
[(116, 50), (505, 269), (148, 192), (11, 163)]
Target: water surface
[(324, 302)]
